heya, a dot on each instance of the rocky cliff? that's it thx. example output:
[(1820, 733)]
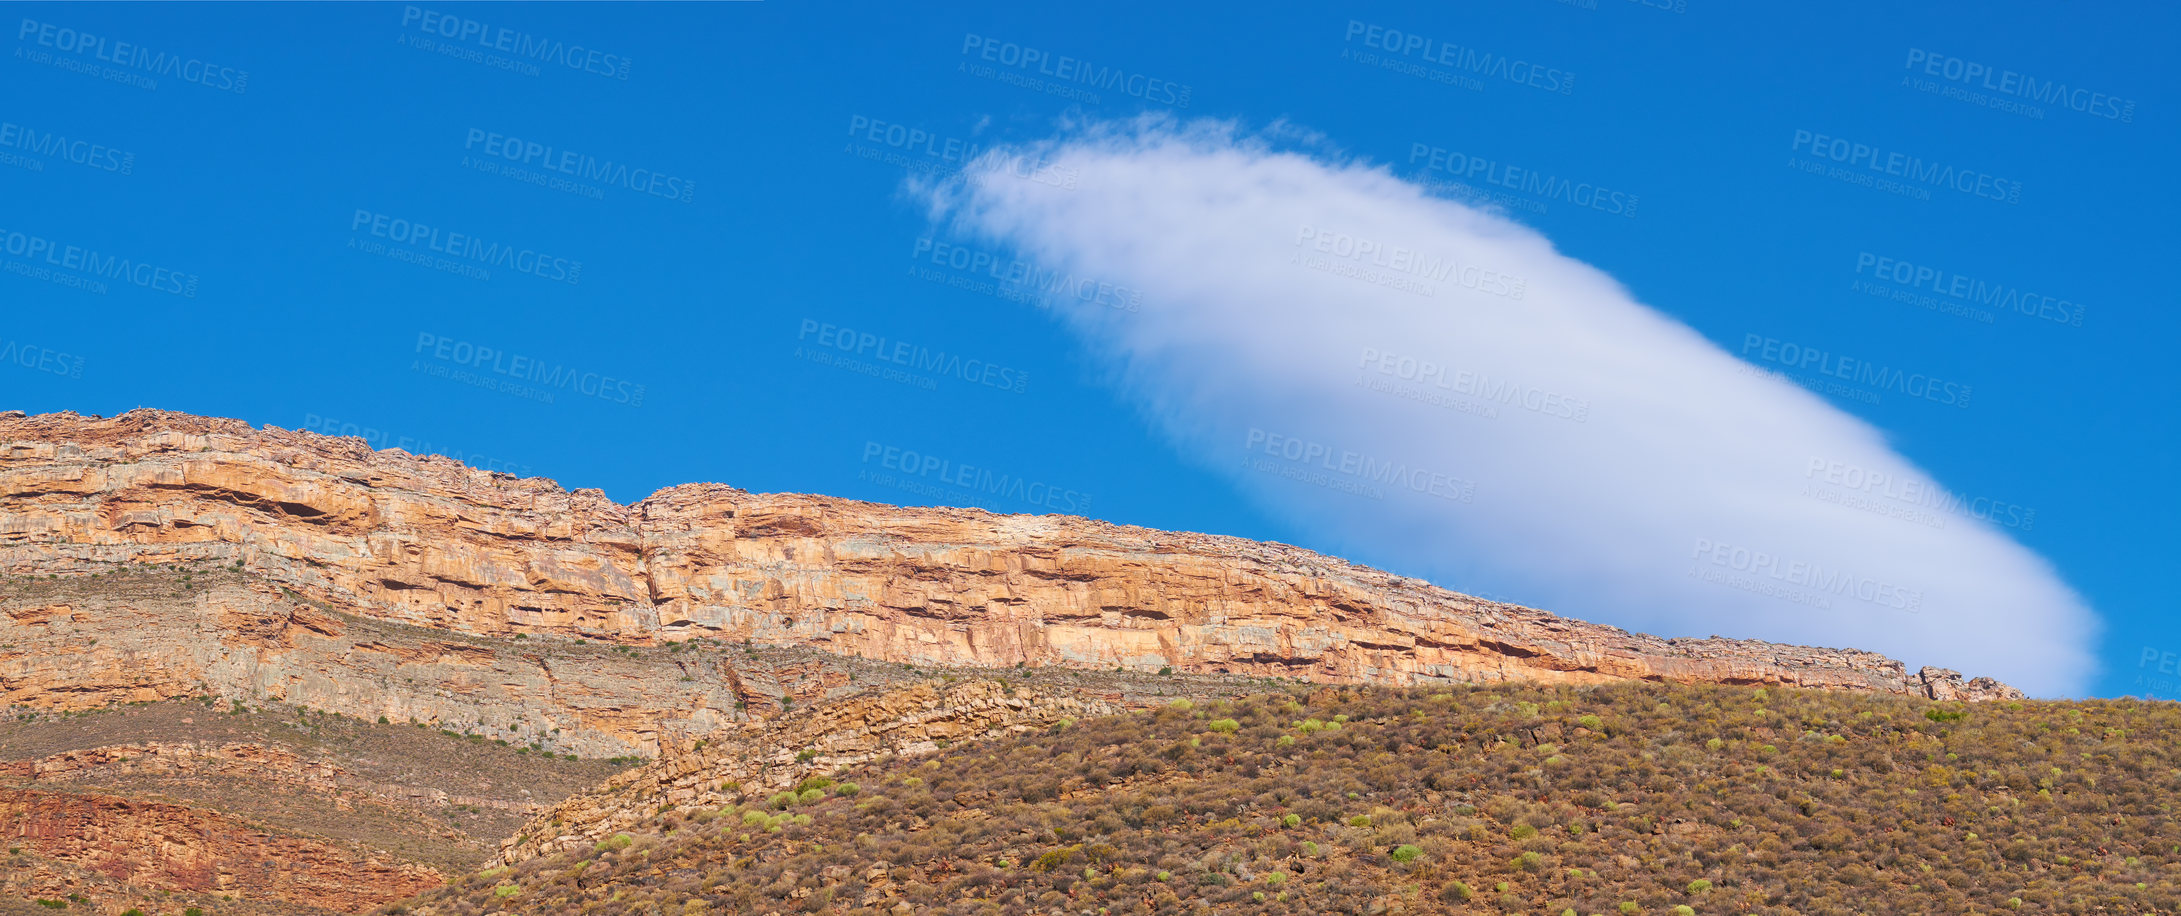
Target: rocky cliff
[(328, 545)]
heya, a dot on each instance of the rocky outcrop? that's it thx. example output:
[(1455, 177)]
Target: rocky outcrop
[(1947, 684), (135, 638), (736, 766), (425, 542), (159, 846)]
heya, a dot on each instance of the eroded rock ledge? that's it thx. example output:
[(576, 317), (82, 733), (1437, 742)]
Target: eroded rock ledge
[(428, 542)]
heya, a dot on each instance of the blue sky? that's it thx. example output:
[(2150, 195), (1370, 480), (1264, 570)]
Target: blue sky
[(698, 201)]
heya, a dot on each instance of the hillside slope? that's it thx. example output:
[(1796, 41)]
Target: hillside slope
[(191, 803), (1623, 799)]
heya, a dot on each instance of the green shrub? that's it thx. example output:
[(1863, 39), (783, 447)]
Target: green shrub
[(617, 841), (1409, 853), (1591, 722), (1699, 886), (1291, 821), (1456, 892), (1225, 726)]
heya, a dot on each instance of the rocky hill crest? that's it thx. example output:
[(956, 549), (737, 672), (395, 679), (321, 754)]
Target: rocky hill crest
[(383, 583)]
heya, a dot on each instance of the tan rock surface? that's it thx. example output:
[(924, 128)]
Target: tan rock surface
[(394, 538)]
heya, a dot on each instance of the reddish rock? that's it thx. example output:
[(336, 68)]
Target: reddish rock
[(160, 846)]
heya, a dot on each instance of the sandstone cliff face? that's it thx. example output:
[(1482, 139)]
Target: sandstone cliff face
[(753, 762), (236, 638), (390, 537)]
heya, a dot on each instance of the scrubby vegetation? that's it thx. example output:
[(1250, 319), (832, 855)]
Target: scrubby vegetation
[(1629, 799)]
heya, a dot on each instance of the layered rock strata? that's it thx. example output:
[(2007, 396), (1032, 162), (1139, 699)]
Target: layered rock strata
[(749, 763), (158, 846), (328, 529)]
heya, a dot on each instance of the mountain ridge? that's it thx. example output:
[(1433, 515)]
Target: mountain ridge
[(425, 541)]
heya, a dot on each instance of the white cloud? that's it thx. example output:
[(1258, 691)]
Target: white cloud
[(1250, 328)]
